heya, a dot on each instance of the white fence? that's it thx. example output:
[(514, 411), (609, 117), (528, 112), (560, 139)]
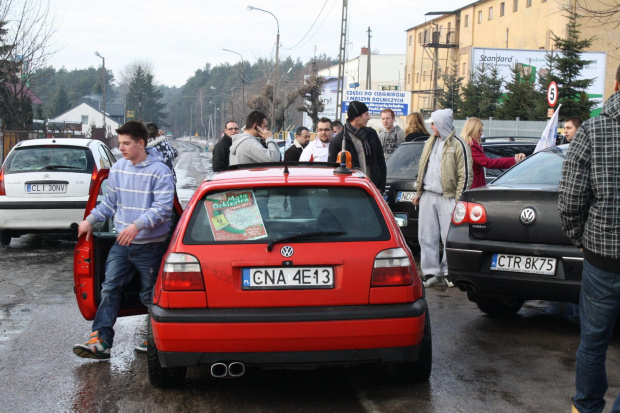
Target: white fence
[(492, 127)]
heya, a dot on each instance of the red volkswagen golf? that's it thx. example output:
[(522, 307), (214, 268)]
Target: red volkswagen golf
[(271, 266)]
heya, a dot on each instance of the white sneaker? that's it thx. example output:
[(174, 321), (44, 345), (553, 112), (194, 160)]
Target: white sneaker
[(445, 282), (434, 281)]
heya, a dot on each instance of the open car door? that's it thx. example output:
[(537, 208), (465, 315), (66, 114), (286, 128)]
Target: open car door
[(90, 257)]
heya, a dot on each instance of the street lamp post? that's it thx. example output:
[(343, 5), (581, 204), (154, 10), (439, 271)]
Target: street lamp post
[(103, 91), (275, 77), (242, 78)]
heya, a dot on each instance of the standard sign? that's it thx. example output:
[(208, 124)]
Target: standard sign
[(552, 94), (283, 278)]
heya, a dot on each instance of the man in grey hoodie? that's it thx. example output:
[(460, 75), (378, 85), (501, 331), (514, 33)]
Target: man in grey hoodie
[(247, 147), (445, 171)]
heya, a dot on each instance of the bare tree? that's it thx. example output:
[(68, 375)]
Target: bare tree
[(311, 91), (603, 11), (26, 32)]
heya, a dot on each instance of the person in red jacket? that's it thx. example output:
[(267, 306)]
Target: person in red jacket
[(471, 133)]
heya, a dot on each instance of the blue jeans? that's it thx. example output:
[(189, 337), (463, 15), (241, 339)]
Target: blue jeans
[(599, 305), (122, 264)]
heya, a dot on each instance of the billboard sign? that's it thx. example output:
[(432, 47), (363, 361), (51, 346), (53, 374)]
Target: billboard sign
[(377, 100), (535, 61), (328, 97)]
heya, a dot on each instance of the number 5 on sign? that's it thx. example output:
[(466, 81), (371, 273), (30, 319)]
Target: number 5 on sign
[(552, 94)]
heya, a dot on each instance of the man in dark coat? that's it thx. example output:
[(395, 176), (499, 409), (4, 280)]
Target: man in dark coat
[(302, 137), (363, 143), (221, 150)]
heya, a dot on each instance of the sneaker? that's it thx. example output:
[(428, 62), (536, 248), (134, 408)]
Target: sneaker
[(142, 347), (95, 348), (445, 281), (434, 281)]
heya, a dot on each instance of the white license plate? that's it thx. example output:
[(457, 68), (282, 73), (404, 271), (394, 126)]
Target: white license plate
[(282, 278), (404, 196), (523, 263), (46, 188)]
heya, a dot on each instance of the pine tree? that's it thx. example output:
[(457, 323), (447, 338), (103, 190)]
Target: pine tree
[(451, 95), (522, 99), (481, 95), (565, 70), (60, 102), (144, 98)]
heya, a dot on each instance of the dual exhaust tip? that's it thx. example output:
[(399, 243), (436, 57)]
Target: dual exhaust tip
[(234, 369)]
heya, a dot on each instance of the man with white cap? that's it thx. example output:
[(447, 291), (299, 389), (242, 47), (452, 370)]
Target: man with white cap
[(445, 171)]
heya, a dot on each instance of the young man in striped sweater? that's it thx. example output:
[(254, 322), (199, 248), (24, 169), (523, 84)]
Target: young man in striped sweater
[(140, 196)]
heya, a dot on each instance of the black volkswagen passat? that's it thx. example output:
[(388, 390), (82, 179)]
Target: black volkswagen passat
[(506, 243), (402, 173)]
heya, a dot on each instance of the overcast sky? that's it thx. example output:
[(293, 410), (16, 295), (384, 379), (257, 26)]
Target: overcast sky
[(181, 36)]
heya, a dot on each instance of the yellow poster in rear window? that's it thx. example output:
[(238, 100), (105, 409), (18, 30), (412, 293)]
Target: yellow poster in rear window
[(235, 216)]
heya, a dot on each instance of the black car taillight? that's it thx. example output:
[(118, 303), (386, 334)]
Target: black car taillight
[(469, 213), (392, 268), (182, 273)]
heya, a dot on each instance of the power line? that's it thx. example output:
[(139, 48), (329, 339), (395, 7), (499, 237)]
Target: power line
[(310, 29)]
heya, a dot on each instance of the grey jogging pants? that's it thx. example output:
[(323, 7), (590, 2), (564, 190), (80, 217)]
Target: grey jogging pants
[(433, 224)]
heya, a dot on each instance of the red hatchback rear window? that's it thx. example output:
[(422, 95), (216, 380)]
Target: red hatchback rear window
[(310, 214)]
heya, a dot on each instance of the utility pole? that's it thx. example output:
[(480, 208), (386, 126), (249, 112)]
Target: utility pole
[(341, 58), (368, 81)]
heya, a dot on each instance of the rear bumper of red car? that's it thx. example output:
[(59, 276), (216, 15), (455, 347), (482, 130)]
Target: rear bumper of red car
[(289, 336)]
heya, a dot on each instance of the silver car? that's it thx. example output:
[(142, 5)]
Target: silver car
[(45, 183)]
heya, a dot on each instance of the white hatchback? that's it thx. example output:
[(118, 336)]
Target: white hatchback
[(45, 183)]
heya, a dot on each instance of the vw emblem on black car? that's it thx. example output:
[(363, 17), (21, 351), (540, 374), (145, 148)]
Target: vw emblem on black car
[(286, 251), (528, 216)]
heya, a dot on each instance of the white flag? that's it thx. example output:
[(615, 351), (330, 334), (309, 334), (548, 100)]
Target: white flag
[(547, 139)]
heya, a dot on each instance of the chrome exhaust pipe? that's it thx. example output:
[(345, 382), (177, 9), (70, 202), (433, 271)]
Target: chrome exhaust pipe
[(236, 369), (219, 370)]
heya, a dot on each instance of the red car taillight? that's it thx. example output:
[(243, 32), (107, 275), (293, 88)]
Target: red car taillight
[(2, 190), (93, 178), (392, 267), (182, 273), (469, 213)]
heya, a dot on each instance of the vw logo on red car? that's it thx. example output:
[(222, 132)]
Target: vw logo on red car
[(287, 251)]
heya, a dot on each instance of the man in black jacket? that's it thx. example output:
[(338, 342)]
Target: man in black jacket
[(221, 150), (302, 137), (363, 143)]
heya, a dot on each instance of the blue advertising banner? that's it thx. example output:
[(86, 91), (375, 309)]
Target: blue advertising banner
[(377, 100)]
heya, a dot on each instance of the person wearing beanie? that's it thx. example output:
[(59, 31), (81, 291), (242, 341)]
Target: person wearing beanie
[(363, 143), (445, 171)]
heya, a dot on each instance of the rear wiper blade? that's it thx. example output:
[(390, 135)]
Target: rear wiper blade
[(304, 235), (62, 167)]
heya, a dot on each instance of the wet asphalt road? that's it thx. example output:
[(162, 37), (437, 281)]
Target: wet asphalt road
[(522, 364)]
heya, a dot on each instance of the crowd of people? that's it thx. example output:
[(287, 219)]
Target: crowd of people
[(141, 190)]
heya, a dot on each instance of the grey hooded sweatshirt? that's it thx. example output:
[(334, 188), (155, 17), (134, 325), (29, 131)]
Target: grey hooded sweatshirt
[(248, 149)]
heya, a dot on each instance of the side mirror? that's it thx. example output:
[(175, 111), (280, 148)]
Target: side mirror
[(402, 219)]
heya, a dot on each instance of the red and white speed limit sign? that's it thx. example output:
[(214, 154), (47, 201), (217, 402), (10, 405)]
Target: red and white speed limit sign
[(552, 94)]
